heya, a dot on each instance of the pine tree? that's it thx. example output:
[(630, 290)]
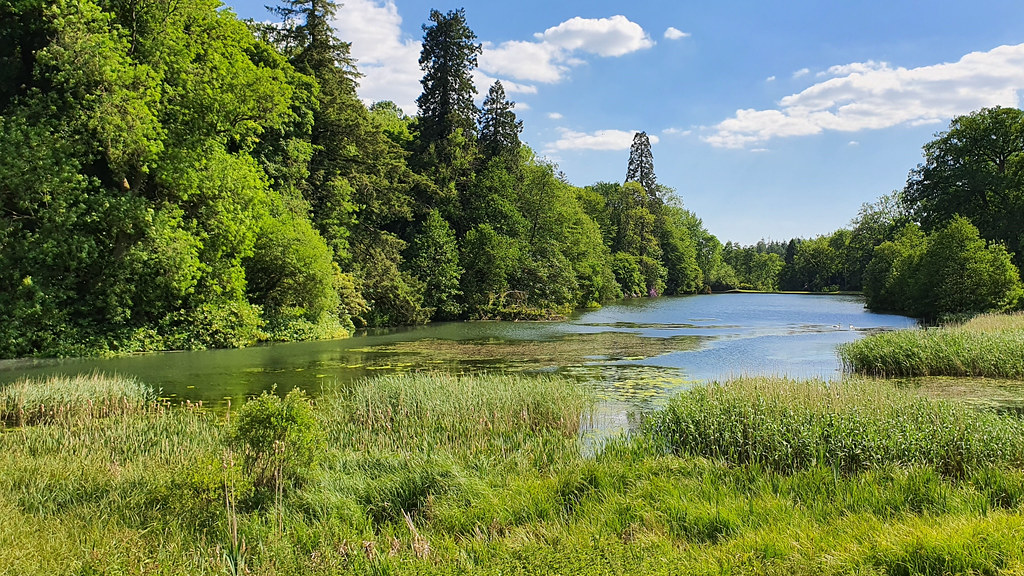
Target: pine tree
[(641, 165), (307, 35), (447, 59), (499, 128)]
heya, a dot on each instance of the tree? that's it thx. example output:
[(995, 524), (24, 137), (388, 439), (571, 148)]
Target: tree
[(961, 274), (499, 128), (435, 261), (641, 165), (976, 170), (447, 59)]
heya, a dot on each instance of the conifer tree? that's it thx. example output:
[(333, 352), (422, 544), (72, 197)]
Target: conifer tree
[(499, 128), (447, 59), (641, 165)]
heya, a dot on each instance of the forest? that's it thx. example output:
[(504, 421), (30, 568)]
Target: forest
[(176, 178)]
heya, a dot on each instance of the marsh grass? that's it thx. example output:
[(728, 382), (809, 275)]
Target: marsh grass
[(63, 397), (990, 345), (482, 475), (854, 425)]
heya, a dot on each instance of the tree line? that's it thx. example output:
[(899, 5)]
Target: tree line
[(951, 242), (176, 178)]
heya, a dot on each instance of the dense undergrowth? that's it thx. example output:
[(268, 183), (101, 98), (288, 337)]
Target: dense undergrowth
[(433, 474), (990, 345)]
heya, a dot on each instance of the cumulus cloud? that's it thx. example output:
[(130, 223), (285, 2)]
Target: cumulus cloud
[(673, 33), (770, 79), (676, 132), (483, 83), (388, 59), (874, 95), (555, 116), (801, 72), (553, 53), (598, 140)]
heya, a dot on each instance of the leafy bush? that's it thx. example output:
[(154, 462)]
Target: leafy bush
[(279, 439)]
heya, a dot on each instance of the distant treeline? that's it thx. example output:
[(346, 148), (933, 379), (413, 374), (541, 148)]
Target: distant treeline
[(951, 242), (173, 177)]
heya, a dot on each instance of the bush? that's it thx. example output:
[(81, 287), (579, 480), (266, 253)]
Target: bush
[(279, 440)]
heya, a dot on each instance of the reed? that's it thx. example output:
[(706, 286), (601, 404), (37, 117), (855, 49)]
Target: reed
[(785, 425), (485, 475), (990, 346), (62, 397)]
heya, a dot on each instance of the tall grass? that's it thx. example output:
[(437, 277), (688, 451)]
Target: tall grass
[(430, 474), (786, 425), (990, 345), (30, 401)]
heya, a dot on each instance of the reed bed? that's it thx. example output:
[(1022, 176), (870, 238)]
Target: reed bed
[(989, 346), (455, 412), (63, 397), (484, 475), (785, 425)]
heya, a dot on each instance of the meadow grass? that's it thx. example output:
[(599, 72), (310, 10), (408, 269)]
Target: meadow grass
[(991, 345), (434, 474), (31, 400)]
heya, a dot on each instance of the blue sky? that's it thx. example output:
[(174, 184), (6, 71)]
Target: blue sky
[(770, 119)]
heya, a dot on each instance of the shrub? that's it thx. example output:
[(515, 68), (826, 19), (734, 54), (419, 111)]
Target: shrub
[(279, 439)]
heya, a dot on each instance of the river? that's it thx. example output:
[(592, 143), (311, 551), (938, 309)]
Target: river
[(635, 353)]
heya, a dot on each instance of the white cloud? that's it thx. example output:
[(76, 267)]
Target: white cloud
[(801, 72), (770, 79), (555, 51), (483, 83), (673, 33), (598, 140), (854, 68), (555, 116), (388, 59), (853, 143), (676, 132), (615, 36), (529, 61), (872, 95)]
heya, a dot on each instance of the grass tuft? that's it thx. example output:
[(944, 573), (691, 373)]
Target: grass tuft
[(786, 425), (62, 397), (991, 346)]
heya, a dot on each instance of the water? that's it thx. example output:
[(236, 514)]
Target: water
[(635, 353)]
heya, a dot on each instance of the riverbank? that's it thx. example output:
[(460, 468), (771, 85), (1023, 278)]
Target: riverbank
[(433, 474)]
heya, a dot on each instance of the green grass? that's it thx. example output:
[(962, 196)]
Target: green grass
[(990, 346), (786, 425), (60, 397), (432, 474)]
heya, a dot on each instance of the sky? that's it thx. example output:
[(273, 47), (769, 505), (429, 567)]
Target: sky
[(770, 119)]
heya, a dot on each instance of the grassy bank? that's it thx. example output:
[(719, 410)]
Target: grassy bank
[(989, 346), (429, 474)]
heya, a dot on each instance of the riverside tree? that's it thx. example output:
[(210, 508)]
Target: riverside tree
[(975, 169)]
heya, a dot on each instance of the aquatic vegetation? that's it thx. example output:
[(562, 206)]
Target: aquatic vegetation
[(29, 400), (567, 349), (785, 426), (990, 345)]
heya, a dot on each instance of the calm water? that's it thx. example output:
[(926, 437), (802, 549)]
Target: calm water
[(635, 353)]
